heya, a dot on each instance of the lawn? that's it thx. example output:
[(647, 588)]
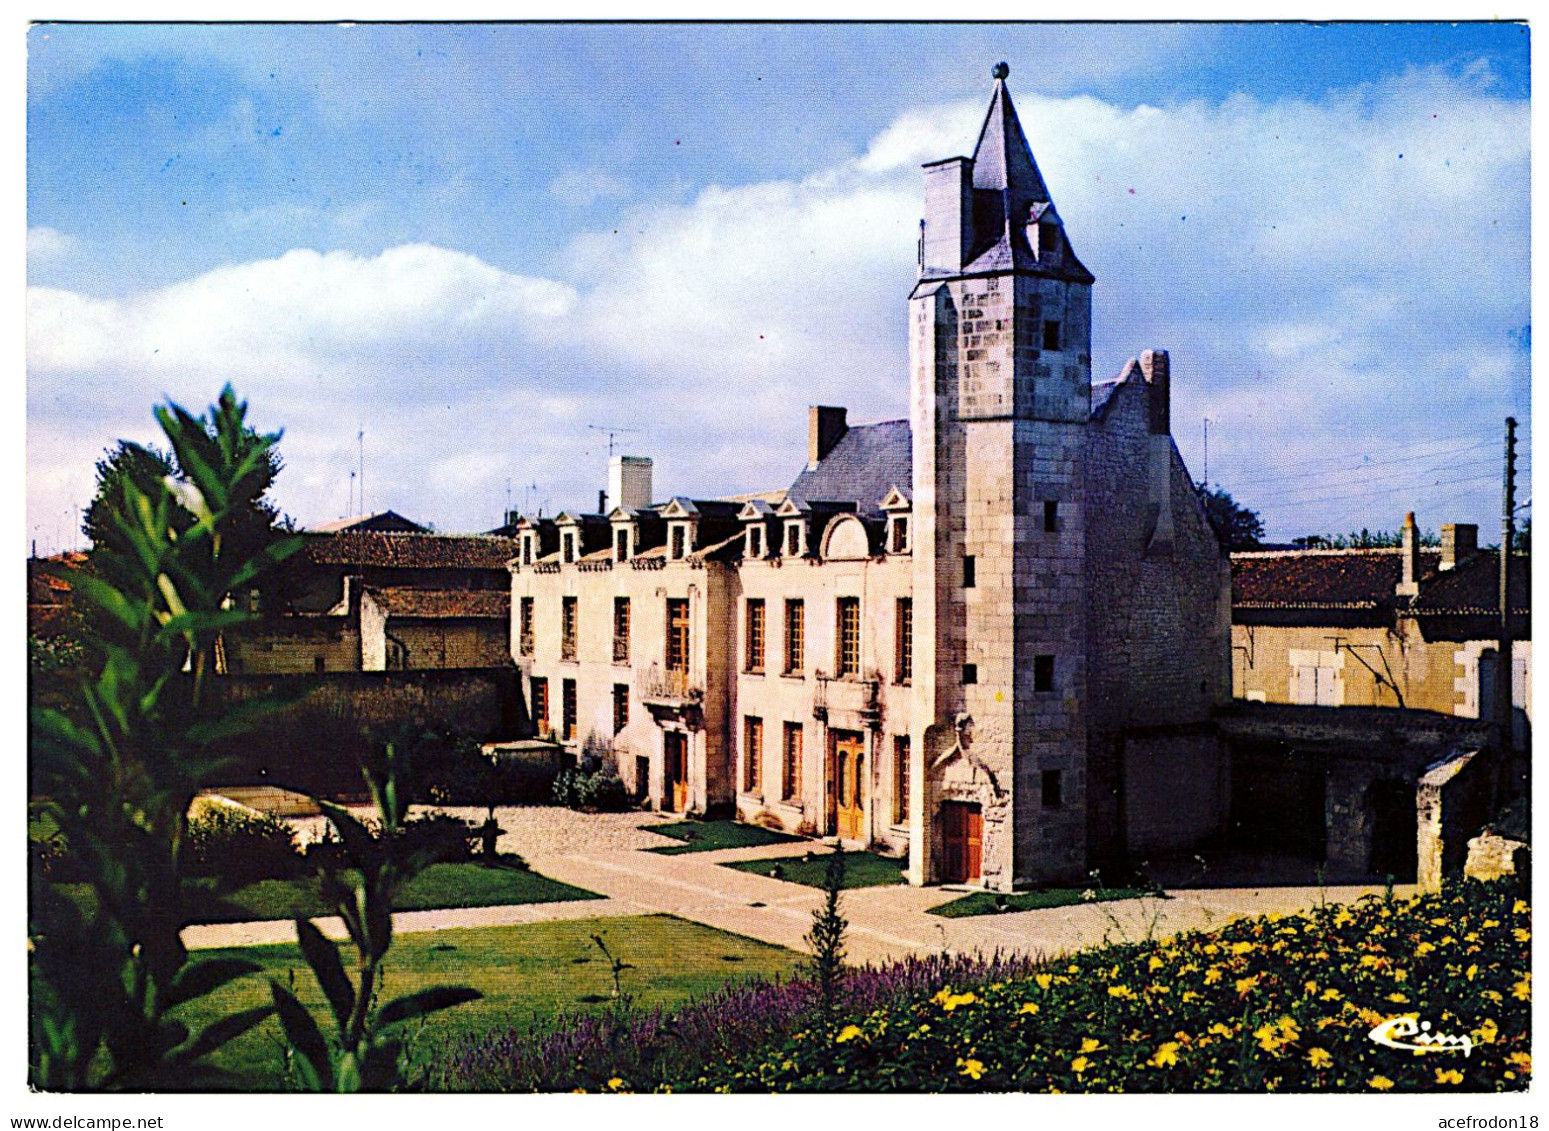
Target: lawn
[(861, 869), (993, 903), (707, 836), (438, 886), (527, 974)]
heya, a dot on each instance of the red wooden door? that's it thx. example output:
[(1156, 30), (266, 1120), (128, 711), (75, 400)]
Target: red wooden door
[(962, 841)]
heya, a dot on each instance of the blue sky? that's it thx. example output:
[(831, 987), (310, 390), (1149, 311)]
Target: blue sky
[(472, 241)]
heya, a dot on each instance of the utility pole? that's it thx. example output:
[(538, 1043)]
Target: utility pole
[(1503, 679), (361, 438), (1207, 453)]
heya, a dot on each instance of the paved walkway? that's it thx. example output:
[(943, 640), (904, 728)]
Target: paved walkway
[(602, 853)]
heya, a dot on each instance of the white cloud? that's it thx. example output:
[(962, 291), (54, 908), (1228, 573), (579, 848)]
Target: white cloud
[(47, 245), (1321, 294), (581, 188)]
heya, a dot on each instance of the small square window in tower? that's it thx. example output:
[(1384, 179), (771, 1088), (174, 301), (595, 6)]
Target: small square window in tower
[(1051, 516), (1051, 334), (970, 673), (1051, 789), (1043, 673), (847, 651), (970, 571)]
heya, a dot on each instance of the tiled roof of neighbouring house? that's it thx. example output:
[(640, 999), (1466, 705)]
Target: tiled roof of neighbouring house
[(411, 551), (1320, 579), (867, 460), (443, 604), (1474, 587)]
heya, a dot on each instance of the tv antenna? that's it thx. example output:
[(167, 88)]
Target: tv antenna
[(612, 431)]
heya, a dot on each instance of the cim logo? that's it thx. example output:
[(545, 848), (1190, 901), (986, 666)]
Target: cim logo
[(1413, 1035)]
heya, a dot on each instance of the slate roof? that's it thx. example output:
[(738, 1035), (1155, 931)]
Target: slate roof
[(1320, 579), (867, 460), (382, 521), (411, 551), (443, 604)]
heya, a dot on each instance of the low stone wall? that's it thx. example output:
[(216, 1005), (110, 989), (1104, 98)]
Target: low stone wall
[(315, 742), (1491, 856)]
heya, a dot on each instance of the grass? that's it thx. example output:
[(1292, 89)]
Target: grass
[(985, 902), (528, 974), (439, 886), (707, 836), (861, 869)]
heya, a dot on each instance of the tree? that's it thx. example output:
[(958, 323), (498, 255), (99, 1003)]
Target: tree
[(826, 938), (1236, 526)]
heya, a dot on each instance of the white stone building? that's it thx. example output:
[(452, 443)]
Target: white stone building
[(986, 637)]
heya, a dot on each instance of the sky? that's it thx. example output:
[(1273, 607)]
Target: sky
[(483, 246)]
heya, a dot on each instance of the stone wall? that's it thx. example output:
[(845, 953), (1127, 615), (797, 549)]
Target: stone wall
[(1177, 789)]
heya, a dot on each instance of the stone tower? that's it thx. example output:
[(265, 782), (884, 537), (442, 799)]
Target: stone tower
[(1000, 358)]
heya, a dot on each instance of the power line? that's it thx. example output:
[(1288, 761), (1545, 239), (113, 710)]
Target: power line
[(1360, 466), (1397, 489)]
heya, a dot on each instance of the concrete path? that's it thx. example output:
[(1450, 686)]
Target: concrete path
[(602, 853)]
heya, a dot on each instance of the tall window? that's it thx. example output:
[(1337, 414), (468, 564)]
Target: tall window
[(752, 754), (527, 549), (526, 625), (567, 692), (567, 638), (903, 638), (790, 762), (621, 630), (677, 542), (847, 653), (901, 779), (756, 540), (1052, 794), (755, 635), (1051, 515), (899, 530), (1051, 335), (970, 571), (540, 705), (677, 634), (621, 544), (792, 539), (620, 706), (795, 637), (569, 546)]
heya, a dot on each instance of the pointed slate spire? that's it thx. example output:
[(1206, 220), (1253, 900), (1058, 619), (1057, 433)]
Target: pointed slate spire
[(1002, 159)]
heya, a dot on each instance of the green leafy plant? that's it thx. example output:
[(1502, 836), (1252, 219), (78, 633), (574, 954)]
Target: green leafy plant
[(366, 1050), (116, 771)]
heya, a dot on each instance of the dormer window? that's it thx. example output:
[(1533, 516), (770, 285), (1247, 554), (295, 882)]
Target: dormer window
[(678, 542), (898, 534), (621, 544), (568, 540), (755, 546), (1048, 243)]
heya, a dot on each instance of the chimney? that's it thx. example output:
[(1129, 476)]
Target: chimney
[(629, 481), (825, 428), (602, 501), (1459, 542), (1409, 559), (1154, 364), (946, 233)]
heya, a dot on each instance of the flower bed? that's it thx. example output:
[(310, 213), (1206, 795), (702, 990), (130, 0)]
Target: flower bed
[(1278, 1003)]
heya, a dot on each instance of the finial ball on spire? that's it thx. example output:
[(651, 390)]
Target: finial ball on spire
[(1000, 71)]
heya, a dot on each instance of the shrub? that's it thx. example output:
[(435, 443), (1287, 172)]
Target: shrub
[(601, 791), (238, 846)]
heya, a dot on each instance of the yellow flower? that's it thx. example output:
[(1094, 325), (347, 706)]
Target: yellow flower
[(1438, 922), (1156, 963), (1519, 907), (1028, 1007), (1211, 948), (1212, 976), (1090, 1044), (848, 1033), (1289, 1028), (1241, 947), (1523, 990), (970, 1068), (1343, 918), (1448, 1076), (1471, 971), (1330, 995), (1520, 1060), (950, 1001), (1488, 1031), (1166, 1056), (1488, 923), (1120, 992), (1220, 1030), (1080, 1065), (1320, 1058), (616, 1083), (1370, 960), (1422, 949), (1043, 980), (1245, 986), (1398, 999), (1311, 987), (1521, 934), (1380, 1083)]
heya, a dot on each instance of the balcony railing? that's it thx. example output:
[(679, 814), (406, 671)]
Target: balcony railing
[(848, 700), (669, 684)]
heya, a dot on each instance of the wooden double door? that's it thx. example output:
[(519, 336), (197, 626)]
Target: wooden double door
[(962, 842), (847, 774)]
